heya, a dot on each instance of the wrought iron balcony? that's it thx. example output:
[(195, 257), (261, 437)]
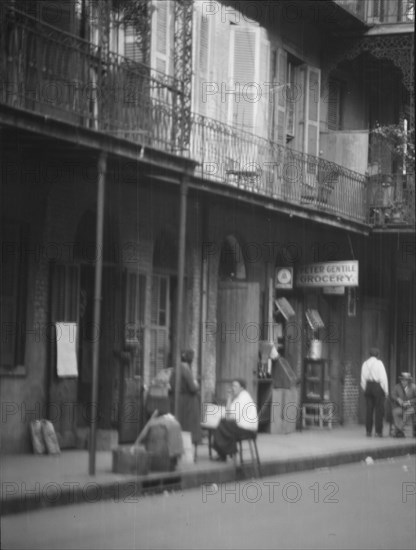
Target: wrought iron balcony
[(46, 71), (356, 7), (240, 159), (380, 11), (391, 200)]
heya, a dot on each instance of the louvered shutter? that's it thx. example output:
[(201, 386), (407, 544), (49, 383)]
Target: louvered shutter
[(313, 87), (334, 96), (132, 49), (201, 68), (279, 98), (262, 120), (159, 341), (242, 105), (162, 36)]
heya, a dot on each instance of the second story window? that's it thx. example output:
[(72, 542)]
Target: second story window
[(335, 97)]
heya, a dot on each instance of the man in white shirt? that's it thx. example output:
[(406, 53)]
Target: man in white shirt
[(241, 420), (374, 383)]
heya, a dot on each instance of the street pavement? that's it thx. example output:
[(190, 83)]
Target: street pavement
[(365, 505), (30, 482)]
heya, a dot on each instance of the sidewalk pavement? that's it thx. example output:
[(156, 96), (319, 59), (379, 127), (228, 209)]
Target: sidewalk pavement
[(30, 482)]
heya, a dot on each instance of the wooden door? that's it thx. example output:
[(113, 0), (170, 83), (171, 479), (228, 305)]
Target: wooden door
[(238, 335), (63, 391), (375, 333)]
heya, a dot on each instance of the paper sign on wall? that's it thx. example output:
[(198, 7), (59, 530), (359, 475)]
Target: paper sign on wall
[(66, 349)]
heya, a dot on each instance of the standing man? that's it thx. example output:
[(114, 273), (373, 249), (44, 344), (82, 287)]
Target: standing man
[(375, 386), (403, 397)]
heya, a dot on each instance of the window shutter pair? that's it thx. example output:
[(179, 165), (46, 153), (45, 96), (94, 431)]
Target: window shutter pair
[(249, 70)]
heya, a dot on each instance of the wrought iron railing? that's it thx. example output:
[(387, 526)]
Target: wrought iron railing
[(380, 11), (391, 200), (357, 7), (48, 71), (247, 161)]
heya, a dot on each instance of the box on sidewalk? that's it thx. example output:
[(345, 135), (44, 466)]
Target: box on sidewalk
[(106, 439), (131, 459)]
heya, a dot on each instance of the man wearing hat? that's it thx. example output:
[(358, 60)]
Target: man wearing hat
[(375, 386), (403, 397)]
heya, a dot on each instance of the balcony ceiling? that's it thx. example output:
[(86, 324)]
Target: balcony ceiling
[(324, 13)]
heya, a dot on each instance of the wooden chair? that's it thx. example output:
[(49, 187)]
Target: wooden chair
[(251, 439)]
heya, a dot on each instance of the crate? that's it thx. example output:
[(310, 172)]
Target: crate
[(131, 459)]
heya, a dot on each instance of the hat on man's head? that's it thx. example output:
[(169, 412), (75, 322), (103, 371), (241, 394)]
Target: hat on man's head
[(405, 376), (374, 352)]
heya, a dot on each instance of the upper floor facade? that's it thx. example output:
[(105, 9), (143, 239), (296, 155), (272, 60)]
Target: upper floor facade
[(278, 101)]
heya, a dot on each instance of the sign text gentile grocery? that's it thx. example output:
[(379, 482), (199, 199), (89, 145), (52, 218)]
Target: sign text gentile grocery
[(328, 274)]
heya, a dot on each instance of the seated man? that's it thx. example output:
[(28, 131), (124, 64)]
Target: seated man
[(403, 397), (241, 420)]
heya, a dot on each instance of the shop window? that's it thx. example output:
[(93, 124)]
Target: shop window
[(13, 297), (135, 295), (65, 292), (232, 265), (160, 324)]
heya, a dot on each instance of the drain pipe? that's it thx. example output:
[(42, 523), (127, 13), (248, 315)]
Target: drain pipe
[(181, 273), (102, 168)]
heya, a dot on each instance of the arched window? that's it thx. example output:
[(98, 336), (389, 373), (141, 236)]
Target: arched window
[(232, 266)]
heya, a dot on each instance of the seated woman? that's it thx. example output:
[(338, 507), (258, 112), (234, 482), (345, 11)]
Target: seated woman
[(241, 420), (403, 397)]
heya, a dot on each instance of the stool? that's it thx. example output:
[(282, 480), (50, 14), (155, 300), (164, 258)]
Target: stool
[(316, 412), (254, 453)]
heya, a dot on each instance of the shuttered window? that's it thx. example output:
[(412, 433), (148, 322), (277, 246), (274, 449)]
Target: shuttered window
[(242, 104), (132, 47), (65, 293), (335, 105), (160, 315), (13, 295), (248, 104), (135, 303), (162, 36)]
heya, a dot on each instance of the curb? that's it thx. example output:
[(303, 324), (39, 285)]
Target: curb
[(132, 488)]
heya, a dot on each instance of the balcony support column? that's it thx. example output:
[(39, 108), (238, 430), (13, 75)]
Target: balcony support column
[(102, 170), (181, 274)]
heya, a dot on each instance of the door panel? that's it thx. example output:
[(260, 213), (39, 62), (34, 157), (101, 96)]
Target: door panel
[(238, 334), (375, 332)]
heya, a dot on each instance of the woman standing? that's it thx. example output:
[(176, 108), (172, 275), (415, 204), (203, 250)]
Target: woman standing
[(189, 414)]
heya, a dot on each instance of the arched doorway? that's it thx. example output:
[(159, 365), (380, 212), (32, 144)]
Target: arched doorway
[(238, 320)]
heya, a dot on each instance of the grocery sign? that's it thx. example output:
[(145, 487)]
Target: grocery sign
[(327, 274)]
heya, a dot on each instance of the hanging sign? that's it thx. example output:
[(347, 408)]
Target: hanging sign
[(328, 274), (284, 277), (66, 349)]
